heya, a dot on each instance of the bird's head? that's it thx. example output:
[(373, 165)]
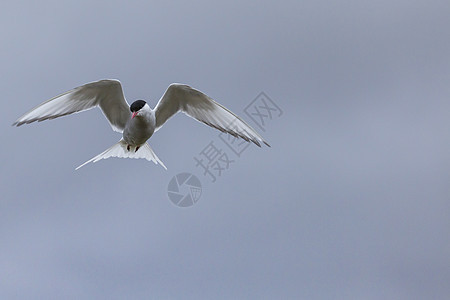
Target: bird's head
[(138, 106)]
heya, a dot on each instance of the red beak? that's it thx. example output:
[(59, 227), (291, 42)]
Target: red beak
[(134, 114)]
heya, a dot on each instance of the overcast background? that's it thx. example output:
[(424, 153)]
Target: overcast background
[(350, 202)]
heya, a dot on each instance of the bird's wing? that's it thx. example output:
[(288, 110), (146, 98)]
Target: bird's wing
[(107, 94), (180, 97)]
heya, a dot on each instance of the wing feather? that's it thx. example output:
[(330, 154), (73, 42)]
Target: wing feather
[(180, 97), (107, 94)]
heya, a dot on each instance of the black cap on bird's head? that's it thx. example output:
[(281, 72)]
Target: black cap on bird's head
[(136, 106)]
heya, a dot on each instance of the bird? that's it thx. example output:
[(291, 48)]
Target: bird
[(138, 122)]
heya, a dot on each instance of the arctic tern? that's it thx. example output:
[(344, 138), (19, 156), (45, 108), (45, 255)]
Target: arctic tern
[(138, 122)]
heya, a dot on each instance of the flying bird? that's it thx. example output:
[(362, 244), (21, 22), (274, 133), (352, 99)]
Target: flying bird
[(137, 122)]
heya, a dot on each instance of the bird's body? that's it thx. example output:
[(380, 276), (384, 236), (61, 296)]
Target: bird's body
[(139, 122), (140, 128)]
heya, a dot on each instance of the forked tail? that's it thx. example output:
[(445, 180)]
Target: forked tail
[(120, 150)]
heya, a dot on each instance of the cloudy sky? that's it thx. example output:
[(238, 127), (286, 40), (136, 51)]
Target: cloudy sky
[(352, 201)]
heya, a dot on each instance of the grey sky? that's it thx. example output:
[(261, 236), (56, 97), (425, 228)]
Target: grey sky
[(350, 202)]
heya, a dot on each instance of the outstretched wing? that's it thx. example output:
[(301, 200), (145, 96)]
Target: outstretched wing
[(180, 97), (107, 94)]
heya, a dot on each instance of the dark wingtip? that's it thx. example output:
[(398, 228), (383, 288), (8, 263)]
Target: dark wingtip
[(267, 144), (256, 143)]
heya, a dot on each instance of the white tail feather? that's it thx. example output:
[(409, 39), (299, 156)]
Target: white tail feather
[(120, 150)]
